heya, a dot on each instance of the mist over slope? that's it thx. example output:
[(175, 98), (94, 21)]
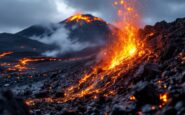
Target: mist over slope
[(65, 37)]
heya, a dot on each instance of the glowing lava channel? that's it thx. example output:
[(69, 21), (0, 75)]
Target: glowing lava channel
[(5, 54), (22, 64)]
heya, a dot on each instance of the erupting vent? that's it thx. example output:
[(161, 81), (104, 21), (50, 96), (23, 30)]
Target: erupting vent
[(84, 18)]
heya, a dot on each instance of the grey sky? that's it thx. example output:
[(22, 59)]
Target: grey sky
[(18, 14)]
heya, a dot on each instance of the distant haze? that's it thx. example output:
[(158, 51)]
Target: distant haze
[(19, 14)]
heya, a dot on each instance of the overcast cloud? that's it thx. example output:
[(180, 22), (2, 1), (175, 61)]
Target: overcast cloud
[(18, 14)]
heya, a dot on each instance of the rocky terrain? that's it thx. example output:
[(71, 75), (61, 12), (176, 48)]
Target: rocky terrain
[(155, 86)]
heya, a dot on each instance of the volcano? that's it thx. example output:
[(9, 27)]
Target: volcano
[(149, 80), (95, 32), (92, 30)]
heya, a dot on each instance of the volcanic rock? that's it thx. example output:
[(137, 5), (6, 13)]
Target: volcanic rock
[(42, 94), (11, 105), (69, 112), (59, 93), (150, 96), (146, 72), (170, 111), (118, 110)]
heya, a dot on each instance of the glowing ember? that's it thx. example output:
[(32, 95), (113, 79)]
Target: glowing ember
[(5, 54), (30, 102), (163, 98), (132, 98), (21, 65)]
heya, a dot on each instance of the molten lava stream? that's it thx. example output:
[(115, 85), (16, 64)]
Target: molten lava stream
[(5, 54), (22, 64)]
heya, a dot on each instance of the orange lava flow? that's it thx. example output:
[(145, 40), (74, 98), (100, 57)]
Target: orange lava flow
[(117, 58), (25, 61), (5, 54), (80, 17), (21, 65)]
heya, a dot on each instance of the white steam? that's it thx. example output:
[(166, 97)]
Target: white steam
[(62, 40)]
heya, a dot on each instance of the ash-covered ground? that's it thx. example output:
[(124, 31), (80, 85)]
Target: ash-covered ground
[(156, 86)]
